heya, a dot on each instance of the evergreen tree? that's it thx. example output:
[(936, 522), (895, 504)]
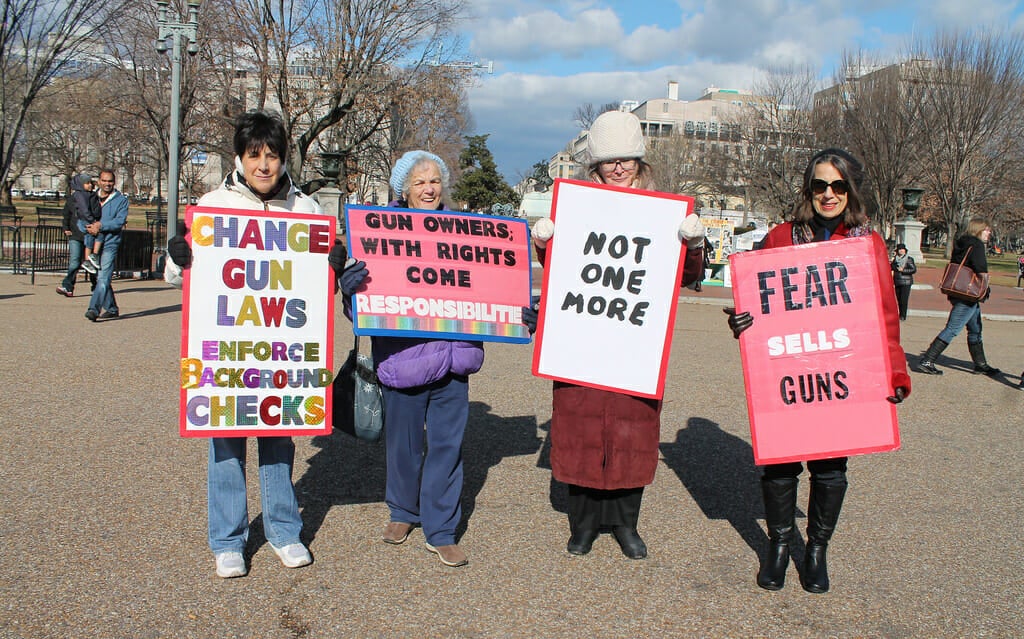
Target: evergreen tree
[(480, 185)]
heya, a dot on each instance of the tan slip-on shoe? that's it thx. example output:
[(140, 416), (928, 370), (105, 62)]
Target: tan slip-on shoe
[(449, 555), (396, 532)]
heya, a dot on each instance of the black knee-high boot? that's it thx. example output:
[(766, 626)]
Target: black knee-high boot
[(779, 512), (927, 363), (822, 514), (978, 357)]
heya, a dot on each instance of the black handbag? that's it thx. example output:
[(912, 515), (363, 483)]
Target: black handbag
[(960, 282), (358, 403)]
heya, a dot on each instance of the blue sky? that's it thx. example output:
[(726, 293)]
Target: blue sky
[(550, 57)]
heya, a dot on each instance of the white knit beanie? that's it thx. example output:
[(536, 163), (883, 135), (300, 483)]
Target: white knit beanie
[(615, 135)]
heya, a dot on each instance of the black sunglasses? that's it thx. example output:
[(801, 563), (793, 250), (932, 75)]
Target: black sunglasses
[(839, 187)]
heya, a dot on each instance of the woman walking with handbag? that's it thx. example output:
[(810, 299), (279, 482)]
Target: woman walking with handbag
[(970, 250)]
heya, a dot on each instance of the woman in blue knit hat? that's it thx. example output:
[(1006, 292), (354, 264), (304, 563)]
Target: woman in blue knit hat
[(425, 383)]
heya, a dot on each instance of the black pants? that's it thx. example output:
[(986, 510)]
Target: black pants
[(824, 469), (593, 509), (903, 299)]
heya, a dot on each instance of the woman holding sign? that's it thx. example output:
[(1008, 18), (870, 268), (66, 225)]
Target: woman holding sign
[(830, 208), (425, 384), (259, 182), (970, 250), (604, 444)]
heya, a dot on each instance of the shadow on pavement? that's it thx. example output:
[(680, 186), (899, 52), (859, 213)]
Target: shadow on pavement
[(718, 470), (347, 470), (152, 311)]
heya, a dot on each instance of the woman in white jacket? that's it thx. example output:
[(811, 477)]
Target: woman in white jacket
[(259, 182)]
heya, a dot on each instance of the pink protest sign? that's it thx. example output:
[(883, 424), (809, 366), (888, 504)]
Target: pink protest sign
[(816, 361), (257, 324), (440, 274)]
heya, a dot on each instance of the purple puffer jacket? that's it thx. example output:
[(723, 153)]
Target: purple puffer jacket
[(404, 362)]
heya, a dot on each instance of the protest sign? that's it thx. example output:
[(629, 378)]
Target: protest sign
[(816, 361), (440, 274), (611, 284), (257, 324)]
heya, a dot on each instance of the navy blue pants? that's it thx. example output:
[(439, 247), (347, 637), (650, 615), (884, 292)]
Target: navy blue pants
[(425, 486)]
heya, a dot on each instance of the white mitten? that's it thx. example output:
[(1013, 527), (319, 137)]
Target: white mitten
[(542, 231), (692, 231)]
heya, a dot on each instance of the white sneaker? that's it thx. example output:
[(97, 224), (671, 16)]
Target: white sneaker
[(231, 564), (293, 555)]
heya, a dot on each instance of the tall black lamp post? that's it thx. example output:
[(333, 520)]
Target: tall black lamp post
[(178, 32)]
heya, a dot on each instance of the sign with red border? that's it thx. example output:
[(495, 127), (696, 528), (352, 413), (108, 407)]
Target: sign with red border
[(816, 361), (257, 324), (611, 286)]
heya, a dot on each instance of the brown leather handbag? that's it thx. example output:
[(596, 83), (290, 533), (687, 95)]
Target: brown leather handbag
[(959, 281)]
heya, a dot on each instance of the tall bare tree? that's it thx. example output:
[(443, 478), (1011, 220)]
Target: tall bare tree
[(586, 113), (968, 98), (777, 138), (326, 63), (39, 39), (870, 112), (677, 163)]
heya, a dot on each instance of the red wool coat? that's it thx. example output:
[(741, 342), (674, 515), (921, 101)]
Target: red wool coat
[(603, 439)]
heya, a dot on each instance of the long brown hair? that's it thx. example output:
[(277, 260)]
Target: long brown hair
[(850, 168)]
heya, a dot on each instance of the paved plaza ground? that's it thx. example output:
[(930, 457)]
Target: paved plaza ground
[(103, 515)]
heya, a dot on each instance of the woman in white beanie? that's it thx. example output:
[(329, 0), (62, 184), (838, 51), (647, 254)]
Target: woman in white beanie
[(604, 444)]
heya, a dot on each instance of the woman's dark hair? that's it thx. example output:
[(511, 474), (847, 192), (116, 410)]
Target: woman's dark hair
[(852, 171), (254, 129)]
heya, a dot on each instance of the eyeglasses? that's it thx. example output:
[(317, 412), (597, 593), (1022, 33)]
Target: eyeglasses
[(839, 187), (627, 165)]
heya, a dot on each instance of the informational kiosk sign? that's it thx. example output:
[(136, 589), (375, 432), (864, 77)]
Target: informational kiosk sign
[(611, 285), (816, 361), (440, 274), (257, 324)]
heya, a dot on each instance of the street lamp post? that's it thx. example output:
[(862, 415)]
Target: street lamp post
[(178, 32)]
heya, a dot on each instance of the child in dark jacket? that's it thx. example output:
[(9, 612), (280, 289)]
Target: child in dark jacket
[(87, 209)]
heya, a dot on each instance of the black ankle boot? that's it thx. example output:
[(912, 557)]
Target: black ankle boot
[(978, 357), (630, 542), (927, 363), (581, 541), (822, 514), (779, 510)]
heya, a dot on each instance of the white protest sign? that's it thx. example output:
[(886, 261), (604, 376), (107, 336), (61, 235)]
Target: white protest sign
[(257, 324), (611, 284)]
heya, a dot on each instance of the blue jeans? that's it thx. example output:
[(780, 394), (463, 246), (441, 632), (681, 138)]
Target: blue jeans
[(75, 249), (963, 314), (103, 295), (426, 488), (226, 500)]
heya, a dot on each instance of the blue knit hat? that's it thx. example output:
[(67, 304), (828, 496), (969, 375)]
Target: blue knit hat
[(405, 165)]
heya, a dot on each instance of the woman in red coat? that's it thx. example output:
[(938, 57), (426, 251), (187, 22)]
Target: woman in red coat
[(604, 444), (830, 209)]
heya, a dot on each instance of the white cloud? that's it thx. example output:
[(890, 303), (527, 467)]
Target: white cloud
[(544, 33), (959, 13)]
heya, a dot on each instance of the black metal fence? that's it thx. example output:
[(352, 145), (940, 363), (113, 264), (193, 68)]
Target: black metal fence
[(44, 248)]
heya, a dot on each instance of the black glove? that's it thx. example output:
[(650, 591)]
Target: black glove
[(352, 278), (178, 249), (530, 314), (738, 322), (336, 258), (900, 394)]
